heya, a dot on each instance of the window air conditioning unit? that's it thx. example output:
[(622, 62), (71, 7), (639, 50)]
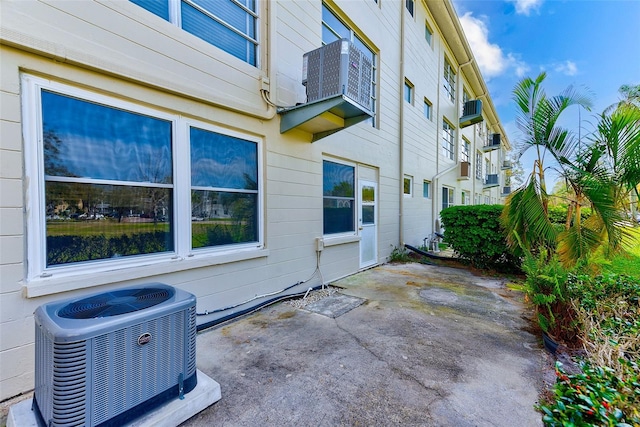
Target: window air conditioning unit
[(338, 68), (465, 170), (471, 113), (106, 359)]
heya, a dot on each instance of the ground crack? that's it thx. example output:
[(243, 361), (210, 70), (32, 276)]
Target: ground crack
[(395, 369)]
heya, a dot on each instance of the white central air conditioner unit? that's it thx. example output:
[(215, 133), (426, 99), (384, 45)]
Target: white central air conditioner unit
[(108, 358), (338, 68)]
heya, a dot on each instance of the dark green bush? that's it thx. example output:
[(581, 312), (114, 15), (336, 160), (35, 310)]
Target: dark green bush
[(558, 214), (476, 235)]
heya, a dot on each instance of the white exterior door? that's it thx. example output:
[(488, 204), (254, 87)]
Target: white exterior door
[(368, 223)]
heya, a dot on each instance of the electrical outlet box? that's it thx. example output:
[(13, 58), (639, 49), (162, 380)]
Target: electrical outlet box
[(319, 244)]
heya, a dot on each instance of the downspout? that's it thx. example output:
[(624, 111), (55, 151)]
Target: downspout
[(434, 180), (265, 83), (435, 185), (401, 130)]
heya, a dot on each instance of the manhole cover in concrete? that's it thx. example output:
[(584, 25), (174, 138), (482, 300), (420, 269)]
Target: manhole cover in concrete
[(335, 305)]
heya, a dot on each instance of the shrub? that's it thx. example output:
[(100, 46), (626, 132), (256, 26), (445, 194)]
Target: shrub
[(595, 396), (399, 254), (476, 235), (546, 286), (558, 214)]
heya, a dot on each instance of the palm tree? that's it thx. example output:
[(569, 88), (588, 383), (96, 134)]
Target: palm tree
[(525, 216), (629, 97)]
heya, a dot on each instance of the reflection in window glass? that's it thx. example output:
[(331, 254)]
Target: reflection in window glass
[(228, 24), (86, 144), (106, 189), (368, 215), (224, 180), (88, 140), (338, 182)]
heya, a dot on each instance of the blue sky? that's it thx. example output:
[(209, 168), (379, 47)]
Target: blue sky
[(590, 43)]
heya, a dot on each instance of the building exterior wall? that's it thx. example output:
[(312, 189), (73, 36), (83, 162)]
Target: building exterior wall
[(120, 51)]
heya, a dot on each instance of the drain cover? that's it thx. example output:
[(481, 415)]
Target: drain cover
[(335, 305)]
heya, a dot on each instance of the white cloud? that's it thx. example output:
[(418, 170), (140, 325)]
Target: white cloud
[(491, 60), (524, 7), (568, 68)]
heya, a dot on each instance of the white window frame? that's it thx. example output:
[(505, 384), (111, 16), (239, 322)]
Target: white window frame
[(348, 233), (426, 184), (465, 147), (479, 157), (175, 18), (36, 222), (449, 80), (407, 178), (448, 140), (450, 197)]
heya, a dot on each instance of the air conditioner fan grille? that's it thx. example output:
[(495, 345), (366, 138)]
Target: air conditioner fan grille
[(114, 303)]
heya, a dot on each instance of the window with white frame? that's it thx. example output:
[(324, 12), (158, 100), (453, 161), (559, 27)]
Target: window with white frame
[(447, 197), (113, 182), (428, 34), (333, 28), (229, 25), (448, 146), (464, 197), (487, 168), (478, 164), (426, 189), (408, 186), (449, 80), (464, 150), (427, 109), (408, 91), (338, 189)]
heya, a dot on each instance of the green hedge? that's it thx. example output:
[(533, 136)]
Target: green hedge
[(476, 235), (558, 214)]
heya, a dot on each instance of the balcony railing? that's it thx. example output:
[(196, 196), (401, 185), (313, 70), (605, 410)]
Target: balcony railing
[(491, 180)]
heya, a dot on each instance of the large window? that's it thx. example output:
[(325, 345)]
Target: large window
[(448, 147), (334, 29), (112, 184), (449, 80), (231, 25), (338, 184)]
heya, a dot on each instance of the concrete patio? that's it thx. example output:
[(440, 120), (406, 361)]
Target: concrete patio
[(406, 344)]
